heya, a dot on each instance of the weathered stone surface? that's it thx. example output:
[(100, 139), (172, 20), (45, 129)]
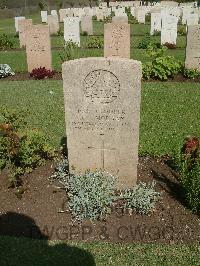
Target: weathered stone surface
[(193, 47), (169, 29), (23, 26), (87, 25), (117, 40), (16, 22), (122, 19), (38, 47), (72, 30), (44, 15), (155, 22), (102, 111), (53, 23)]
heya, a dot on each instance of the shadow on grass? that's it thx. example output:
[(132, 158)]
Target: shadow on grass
[(22, 243)]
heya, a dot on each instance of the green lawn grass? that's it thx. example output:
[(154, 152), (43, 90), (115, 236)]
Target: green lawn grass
[(26, 252), (169, 111)]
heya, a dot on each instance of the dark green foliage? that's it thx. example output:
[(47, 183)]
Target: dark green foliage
[(188, 162), (69, 52), (21, 149), (148, 41), (95, 42), (191, 73), (160, 67), (6, 42)]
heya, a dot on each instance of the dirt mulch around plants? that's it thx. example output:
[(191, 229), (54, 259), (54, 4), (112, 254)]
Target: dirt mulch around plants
[(42, 211)]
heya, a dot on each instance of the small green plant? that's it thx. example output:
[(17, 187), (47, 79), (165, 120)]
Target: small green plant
[(141, 198), (147, 42), (69, 52), (60, 32), (93, 194), (191, 73), (188, 162), (21, 149), (160, 67), (6, 42), (148, 18), (95, 42)]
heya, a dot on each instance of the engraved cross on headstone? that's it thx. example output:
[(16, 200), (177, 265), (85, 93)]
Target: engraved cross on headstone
[(102, 149)]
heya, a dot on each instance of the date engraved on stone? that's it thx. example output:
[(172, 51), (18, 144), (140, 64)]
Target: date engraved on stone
[(101, 86)]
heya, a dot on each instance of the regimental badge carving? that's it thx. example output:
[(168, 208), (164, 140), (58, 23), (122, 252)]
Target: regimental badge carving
[(101, 86)]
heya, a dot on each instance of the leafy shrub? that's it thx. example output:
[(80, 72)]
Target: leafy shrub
[(181, 30), (6, 42), (142, 198), (42, 5), (5, 71), (191, 73), (188, 162), (21, 150), (170, 45), (41, 73), (69, 52), (161, 67), (95, 42), (147, 42), (92, 195)]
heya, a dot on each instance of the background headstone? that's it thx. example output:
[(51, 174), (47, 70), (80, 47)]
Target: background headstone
[(117, 40), (38, 47), (87, 25), (192, 59), (155, 22), (53, 23), (16, 22), (169, 29), (44, 15), (102, 110), (23, 26), (72, 30)]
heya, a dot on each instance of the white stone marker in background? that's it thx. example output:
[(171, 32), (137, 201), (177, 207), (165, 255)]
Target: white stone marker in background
[(155, 22), (44, 16), (87, 25), (102, 114), (72, 30), (169, 29), (16, 22)]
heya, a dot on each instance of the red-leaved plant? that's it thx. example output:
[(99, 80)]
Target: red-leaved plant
[(170, 45), (42, 73)]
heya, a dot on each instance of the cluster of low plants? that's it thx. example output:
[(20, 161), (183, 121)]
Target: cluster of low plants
[(93, 194), (191, 73), (21, 149), (147, 41), (95, 42), (188, 163), (42, 73), (60, 32), (70, 52), (170, 45), (5, 71), (161, 66), (6, 42)]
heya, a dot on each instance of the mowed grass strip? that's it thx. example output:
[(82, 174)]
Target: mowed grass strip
[(169, 111), (27, 252)]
